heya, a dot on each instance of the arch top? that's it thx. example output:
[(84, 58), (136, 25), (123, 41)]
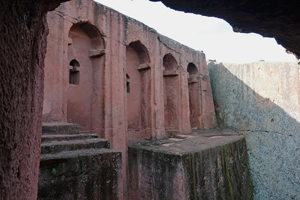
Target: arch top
[(192, 69), (169, 62), (193, 73), (74, 63), (141, 51), (170, 65), (95, 35)]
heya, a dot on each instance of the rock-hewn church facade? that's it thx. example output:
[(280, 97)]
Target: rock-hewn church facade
[(116, 77)]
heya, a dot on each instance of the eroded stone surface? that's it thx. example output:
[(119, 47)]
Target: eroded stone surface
[(116, 77), (139, 84), (23, 31), (60, 128), (86, 143), (67, 137), (261, 100), (79, 166), (204, 165), (80, 174)]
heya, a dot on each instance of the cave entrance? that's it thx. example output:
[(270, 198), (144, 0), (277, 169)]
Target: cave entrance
[(171, 93), (84, 102), (138, 91), (193, 95)]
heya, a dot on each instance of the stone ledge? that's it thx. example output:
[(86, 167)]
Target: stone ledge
[(81, 174), (56, 137), (204, 165), (199, 140), (59, 146), (60, 128), (76, 154)]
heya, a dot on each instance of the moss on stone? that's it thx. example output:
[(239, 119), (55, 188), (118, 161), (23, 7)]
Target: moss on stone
[(227, 172)]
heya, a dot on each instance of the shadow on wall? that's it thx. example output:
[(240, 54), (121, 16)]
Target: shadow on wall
[(260, 100)]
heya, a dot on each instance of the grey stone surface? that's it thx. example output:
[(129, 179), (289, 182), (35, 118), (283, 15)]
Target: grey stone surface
[(208, 164), (65, 145), (261, 101), (67, 137), (81, 174), (60, 128), (78, 166)]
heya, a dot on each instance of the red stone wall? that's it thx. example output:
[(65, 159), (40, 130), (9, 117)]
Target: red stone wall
[(129, 48), (23, 31), (122, 67)]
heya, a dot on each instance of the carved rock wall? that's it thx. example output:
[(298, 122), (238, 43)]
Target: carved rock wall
[(110, 74), (261, 100), (23, 31), (209, 164), (109, 94)]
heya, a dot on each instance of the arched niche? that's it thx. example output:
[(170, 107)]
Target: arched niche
[(74, 75), (192, 69), (84, 93), (138, 86), (127, 83), (194, 98), (171, 93)]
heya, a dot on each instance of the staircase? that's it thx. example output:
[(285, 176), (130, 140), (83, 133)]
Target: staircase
[(77, 166)]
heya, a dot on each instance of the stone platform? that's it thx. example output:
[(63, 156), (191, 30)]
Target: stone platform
[(208, 164), (77, 166)]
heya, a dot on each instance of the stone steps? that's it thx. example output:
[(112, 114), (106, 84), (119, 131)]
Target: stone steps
[(73, 154), (67, 137), (69, 145), (80, 174), (75, 165), (60, 128)]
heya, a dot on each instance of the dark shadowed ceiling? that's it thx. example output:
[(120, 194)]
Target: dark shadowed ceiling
[(270, 18)]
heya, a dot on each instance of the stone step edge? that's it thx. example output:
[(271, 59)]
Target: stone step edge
[(68, 142), (67, 137), (60, 127), (59, 146), (77, 153)]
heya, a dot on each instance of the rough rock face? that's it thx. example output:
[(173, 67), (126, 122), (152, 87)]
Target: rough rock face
[(23, 31), (77, 166), (158, 73), (277, 18), (261, 100), (119, 78), (209, 164)]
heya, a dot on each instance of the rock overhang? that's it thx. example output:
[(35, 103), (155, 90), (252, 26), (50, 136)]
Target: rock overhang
[(278, 19)]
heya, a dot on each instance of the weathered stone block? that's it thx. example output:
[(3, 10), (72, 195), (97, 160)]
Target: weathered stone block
[(82, 174), (209, 166)]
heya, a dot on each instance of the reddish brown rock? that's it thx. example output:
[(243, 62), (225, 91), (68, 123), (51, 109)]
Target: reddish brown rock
[(78, 166), (210, 164), (118, 78), (23, 31)]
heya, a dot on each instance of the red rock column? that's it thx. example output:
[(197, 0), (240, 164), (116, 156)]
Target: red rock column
[(23, 32), (207, 117)]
